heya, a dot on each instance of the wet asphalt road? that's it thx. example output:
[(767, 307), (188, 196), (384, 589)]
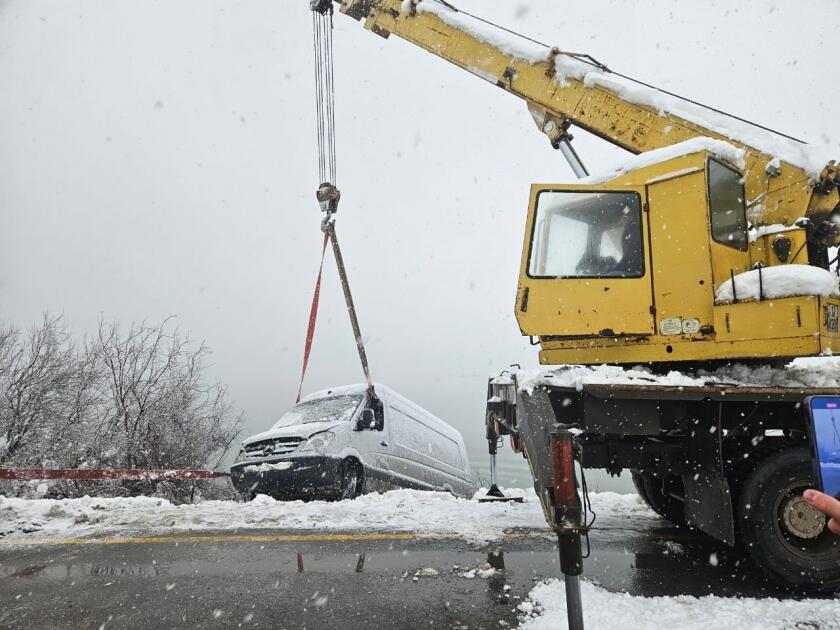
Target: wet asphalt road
[(297, 580)]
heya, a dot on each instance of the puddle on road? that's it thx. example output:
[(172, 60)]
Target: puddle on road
[(670, 562), (61, 570), (390, 561)]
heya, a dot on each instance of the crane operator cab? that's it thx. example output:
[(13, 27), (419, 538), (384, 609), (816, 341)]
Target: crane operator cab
[(660, 264)]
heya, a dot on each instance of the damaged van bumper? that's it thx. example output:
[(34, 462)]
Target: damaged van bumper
[(312, 476)]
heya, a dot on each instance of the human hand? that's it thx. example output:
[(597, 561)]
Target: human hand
[(827, 505)]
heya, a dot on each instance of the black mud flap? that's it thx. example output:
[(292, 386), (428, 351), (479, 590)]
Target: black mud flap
[(708, 501)]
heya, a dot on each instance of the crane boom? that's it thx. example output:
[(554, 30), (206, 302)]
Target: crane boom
[(785, 179)]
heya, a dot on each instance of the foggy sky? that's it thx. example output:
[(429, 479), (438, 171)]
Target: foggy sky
[(158, 158)]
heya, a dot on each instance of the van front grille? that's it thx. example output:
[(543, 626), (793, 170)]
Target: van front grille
[(274, 446)]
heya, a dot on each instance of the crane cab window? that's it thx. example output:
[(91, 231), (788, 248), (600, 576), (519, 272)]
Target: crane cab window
[(587, 235), (727, 207)]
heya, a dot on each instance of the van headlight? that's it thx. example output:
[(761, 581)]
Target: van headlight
[(318, 441)]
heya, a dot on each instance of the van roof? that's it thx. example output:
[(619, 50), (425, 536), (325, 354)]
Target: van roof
[(390, 394)]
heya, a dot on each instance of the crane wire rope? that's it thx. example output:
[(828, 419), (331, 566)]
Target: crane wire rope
[(322, 28), (328, 194), (588, 59)]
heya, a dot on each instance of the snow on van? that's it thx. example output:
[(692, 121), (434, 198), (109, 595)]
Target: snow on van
[(345, 441)]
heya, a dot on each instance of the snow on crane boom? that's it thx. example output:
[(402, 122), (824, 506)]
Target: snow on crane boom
[(563, 89)]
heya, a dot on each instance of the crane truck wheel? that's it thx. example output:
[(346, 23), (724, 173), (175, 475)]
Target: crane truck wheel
[(652, 491), (782, 534)]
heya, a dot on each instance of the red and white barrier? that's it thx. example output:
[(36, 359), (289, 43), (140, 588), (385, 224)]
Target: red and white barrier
[(92, 474)]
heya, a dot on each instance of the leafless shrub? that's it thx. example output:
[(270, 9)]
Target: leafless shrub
[(131, 397)]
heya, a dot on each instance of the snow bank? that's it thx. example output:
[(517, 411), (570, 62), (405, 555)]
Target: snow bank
[(808, 372), (546, 610), (397, 511), (779, 282), (812, 159), (721, 149)]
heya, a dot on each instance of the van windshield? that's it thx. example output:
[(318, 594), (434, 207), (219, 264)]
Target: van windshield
[(336, 409)]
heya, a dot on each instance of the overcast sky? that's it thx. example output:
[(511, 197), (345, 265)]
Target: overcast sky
[(158, 158)]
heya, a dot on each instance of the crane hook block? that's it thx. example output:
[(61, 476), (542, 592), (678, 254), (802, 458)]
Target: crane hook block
[(321, 6), (328, 197)]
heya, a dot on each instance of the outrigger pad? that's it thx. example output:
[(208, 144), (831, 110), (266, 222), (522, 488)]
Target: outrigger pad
[(494, 495)]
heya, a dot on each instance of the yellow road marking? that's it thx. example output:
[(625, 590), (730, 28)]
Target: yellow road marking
[(222, 538), (303, 537), (257, 538)]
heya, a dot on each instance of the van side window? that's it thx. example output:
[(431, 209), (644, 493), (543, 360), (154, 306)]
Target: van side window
[(375, 404), (727, 207)]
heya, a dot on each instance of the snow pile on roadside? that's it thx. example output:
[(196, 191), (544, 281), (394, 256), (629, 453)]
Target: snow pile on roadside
[(546, 609), (805, 372), (397, 511), (778, 282)]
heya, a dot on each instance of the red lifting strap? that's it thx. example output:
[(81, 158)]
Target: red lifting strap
[(313, 317)]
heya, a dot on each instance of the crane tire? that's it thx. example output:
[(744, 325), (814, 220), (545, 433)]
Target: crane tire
[(784, 536)]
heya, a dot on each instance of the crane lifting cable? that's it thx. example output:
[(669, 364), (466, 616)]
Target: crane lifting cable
[(322, 34), (328, 194)]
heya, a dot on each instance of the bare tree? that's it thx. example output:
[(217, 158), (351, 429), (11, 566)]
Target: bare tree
[(79, 432), (36, 375), (160, 409)]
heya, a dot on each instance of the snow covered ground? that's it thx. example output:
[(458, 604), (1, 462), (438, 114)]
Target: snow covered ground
[(397, 511), (424, 513), (546, 610)]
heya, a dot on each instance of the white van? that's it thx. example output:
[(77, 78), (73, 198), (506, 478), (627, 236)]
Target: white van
[(342, 442)]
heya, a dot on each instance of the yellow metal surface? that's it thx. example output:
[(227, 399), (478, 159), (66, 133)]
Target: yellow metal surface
[(785, 196), (683, 286), (682, 351), (795, 326), (770, 319), (761, 248)]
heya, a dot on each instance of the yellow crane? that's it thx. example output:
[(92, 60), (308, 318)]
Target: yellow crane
[(637, 268), (712, 244)]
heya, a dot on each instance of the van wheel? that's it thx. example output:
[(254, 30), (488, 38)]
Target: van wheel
[(350, 481), (786, 537)]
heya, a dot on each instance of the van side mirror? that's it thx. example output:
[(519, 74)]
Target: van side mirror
[(366, 421)]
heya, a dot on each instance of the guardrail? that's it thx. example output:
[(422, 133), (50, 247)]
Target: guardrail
[(93, 474)]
